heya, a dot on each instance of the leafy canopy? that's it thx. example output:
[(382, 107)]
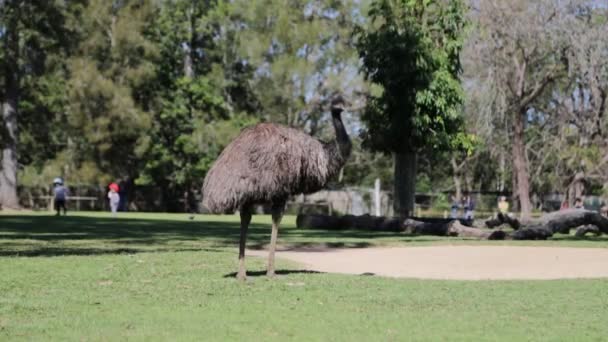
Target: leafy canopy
[(410, 49)]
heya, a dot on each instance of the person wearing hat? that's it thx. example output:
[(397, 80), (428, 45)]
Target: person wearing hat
[(114, 198), (60, 193)]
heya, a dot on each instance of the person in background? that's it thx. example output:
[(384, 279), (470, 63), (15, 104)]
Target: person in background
[(60, 194), (503, 205), (604, 210), (454, 206), (114, 198), (578, 203), (469, 207), (122, 185)]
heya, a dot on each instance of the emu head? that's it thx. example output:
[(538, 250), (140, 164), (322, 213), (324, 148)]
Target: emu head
[(337, 105)]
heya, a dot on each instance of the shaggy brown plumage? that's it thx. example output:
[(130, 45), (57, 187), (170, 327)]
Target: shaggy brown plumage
[(267, 163)]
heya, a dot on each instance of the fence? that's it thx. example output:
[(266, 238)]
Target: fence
[(81, 198), (373, 201), (351, 200)]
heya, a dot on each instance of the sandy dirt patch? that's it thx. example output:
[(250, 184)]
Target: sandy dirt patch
[(456, 262)]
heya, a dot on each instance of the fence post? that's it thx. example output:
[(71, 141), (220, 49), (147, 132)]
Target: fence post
[(377, 197)]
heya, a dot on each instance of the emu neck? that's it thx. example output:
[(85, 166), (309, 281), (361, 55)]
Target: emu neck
[(342, 139)]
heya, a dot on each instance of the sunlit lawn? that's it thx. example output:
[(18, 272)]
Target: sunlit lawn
[(166, 277)]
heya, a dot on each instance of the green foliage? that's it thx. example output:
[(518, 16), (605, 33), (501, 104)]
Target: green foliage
[(303, 52), (191, 99), (42, 130), (424, 184), (441, 202), (129, 89), (411, 49), (107, 112), (188, 134), (46, 32), (153, 90), (364, 167)]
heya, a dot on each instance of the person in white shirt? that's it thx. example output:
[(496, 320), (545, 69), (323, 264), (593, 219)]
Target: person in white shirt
[(114, 198)]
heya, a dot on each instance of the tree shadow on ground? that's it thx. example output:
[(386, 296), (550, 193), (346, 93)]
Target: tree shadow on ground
[(81, 235), (33, 236), (589, 237), (277, 272), (76, 251)]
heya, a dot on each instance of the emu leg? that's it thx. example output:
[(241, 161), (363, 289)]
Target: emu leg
[(245, 220), (277, 215)]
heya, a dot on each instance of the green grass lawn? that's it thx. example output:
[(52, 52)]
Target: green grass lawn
[(164, 277)]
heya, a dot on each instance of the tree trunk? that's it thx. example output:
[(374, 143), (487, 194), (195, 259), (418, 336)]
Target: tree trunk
[(576, 188), (189, 49), (405, 183), (456, 177), (8, 174), (502, 171), (515, 207), (520, 165)]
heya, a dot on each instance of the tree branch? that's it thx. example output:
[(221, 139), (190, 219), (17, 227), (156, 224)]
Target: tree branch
[(539, 87)]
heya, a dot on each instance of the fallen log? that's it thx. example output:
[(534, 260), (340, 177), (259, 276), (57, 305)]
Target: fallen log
[(319, 222), (557, 222), (457, 229), (530, 233), (501, 219), (539, 229), (364, 222), (581, 231), (564, 220), (368, 222), (414, 226), (450, 228), (423, 226), (411, 226)]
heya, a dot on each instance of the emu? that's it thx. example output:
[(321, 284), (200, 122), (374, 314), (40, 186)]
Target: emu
[(267, 163)]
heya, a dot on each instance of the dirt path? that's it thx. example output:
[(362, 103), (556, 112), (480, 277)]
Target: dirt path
[(456, 262)]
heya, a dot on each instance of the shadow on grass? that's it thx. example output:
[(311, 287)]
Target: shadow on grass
[(277, 272), (45, 252), (80, 235), (33, 236), (313, 246), (589, 237)]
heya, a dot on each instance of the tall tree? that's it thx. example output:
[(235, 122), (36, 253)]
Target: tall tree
[(580, 103), (11, 15), (196, 108), (108, 90), (30, 32), (411, 50), (520, 44)]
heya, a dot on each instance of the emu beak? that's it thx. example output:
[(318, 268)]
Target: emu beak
[(338, 103)]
